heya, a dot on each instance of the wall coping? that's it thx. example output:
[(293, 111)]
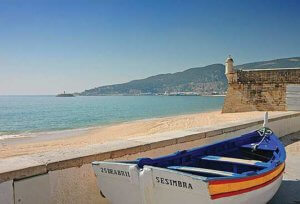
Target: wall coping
[(14, 168), (269, 69)]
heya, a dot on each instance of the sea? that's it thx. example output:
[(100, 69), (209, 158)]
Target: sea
[(23, 115)]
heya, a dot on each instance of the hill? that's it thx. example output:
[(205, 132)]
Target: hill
[(277, 63), (199, 80)]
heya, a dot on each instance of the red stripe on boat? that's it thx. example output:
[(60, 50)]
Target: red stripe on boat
[(242, 179), (222, 195)]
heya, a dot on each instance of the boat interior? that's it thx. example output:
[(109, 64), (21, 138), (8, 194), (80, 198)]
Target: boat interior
[(241, 156)]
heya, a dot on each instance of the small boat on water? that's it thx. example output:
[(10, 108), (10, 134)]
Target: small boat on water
[(244, 169)]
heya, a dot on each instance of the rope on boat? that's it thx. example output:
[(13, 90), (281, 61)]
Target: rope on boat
[(264, 132)]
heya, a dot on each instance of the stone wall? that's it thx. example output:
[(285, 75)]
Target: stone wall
[(262, 90)]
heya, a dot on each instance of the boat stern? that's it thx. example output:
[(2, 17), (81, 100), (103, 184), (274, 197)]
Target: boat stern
[(118, 182)]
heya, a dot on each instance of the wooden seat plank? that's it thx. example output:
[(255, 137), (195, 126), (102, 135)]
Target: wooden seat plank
[(202, 170), (236, 161)]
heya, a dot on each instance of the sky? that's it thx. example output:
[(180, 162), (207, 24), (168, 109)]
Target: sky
[(51, 46)]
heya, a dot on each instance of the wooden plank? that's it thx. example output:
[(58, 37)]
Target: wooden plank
[(293, 87), (202, 170), (293, 97), (236, 161), (294, 102), (293, 108), (293, 94)]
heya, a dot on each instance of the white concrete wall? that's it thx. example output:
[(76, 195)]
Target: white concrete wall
[(7, 192), (78, 184), (74, 185), (32, 190)]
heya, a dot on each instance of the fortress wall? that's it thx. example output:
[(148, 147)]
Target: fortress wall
[(263, 90)]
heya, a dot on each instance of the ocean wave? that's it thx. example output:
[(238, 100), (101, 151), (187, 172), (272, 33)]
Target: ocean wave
[(4, 137), (52, 134)]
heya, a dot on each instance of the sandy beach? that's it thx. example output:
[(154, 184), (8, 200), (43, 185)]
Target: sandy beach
[(44, 142)]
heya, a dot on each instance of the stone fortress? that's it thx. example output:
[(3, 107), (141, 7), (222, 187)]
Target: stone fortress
[(261, 89)]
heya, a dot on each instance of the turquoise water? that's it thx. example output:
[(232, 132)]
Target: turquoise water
[(26, 114)]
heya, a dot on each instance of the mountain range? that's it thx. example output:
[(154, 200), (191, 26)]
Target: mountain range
[(205, 80)]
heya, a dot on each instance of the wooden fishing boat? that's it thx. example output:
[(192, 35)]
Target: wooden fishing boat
[(244, 169)]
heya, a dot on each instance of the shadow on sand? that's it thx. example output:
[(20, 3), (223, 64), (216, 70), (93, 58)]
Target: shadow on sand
[(289, 192), (290, 139)]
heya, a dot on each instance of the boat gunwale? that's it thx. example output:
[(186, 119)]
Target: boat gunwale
[(273, 164)]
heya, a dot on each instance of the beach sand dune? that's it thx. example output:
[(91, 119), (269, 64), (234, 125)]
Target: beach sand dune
[(51, 142)]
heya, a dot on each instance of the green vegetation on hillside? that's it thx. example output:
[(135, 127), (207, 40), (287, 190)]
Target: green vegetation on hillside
[(210, 79)]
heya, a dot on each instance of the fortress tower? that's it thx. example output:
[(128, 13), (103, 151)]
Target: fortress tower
[(229, 70)]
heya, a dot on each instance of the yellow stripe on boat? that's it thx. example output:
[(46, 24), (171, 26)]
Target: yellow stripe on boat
[(232, 185)]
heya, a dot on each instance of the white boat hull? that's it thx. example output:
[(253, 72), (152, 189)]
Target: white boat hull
[(126, 184)]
